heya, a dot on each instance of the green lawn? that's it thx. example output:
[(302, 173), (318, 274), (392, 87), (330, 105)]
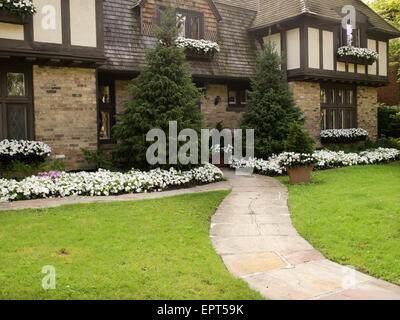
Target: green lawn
[(352, 215), (150, 249)]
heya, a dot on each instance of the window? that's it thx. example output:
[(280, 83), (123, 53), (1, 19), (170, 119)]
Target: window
[(16, 107), (190, 24), (15, 84), (237, 97), (338, 107), (106, 111)]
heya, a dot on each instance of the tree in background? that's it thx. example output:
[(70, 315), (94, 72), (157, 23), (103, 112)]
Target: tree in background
[(163, 92), (390, 11), (271, 108)]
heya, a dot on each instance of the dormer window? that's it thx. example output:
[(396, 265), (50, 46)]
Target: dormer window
[(190, 24), (351, 37)]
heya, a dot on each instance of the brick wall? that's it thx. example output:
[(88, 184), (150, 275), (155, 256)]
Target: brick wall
[(65, 111), (367, 111), (307, 97), (215, 113), (390, 94)]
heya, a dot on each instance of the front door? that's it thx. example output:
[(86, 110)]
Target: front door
[(16, 107)]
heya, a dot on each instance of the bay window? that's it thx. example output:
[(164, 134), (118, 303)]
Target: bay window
[(338, 107)]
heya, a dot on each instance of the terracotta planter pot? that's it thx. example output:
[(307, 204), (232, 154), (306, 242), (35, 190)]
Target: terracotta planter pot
[(300, 174)]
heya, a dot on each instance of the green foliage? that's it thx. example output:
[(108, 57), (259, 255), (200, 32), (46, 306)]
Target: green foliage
[(17, 169), (352, 216), (298, 140), (389, 121), (163, 92), (271, 108), (390, 11), (98, 158), (136, 250)]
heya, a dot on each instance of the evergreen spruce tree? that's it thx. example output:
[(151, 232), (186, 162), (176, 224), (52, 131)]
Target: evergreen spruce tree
[(299, 140), (163, 92), (271, 108)]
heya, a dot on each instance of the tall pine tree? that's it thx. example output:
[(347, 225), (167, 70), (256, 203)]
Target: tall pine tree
[(271, 108), (163, 92)]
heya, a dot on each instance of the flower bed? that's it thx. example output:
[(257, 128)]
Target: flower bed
[(324, 159), (199, 47), (18, 7), (23, 150), (104, 183), (355, 55), (343, 135)]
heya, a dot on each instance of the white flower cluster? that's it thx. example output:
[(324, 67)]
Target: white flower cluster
[(344, 135), (198, 46), (104, 183), (20, 7), (324, 159), (23, 148), (368, 55)]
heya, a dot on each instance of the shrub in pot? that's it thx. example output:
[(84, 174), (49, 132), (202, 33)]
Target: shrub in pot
[(298, 156)]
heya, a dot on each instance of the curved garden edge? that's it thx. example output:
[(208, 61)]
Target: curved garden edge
[(56, 202)]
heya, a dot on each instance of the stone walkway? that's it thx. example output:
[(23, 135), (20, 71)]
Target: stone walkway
[(253, 233)]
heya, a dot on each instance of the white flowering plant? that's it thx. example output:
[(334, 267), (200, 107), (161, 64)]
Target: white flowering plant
[(344, 135), (18, 7), (354, 54), (104, 183), (203, 47), (23, 150), (294, 160), (324, 159)]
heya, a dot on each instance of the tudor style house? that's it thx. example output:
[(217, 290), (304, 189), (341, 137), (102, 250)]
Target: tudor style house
[(64, 71)]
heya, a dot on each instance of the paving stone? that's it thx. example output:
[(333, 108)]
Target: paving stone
[(277, 229), (269, 218), (233, 218), (298, 257), (258, 244), (228, 230), (241, 265), (305, 281)]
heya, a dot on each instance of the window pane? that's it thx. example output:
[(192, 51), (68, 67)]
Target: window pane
[(351, 97), (323, 119), (242, 96), (181, 24), (232, 97), (323, 96), (105, 129), (15, 84), (104, 94), (194, 28), (16, 122), (341, 94)]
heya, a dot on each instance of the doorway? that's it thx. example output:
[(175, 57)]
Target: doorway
[(16, 103)]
